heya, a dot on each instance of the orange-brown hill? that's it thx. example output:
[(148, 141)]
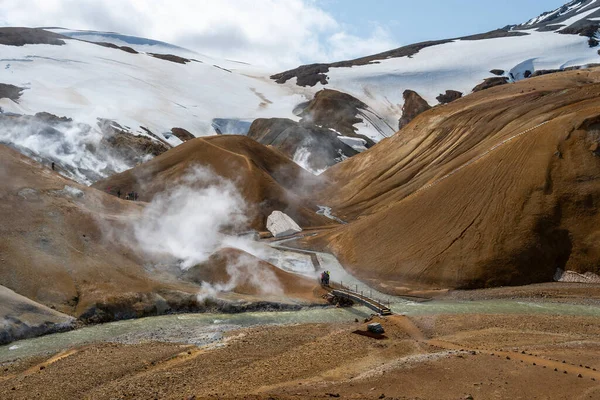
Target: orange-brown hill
[(266, 178), (54, 247), (455, 199), (245, 274)]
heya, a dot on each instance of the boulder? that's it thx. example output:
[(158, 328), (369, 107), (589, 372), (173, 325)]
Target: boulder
[(280, 225), (449, 96)]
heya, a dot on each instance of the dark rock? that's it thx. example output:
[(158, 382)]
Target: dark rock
[(335, 110), (545, 72), (323, 147), (449, 96), (23, 36), (490, 83), (11, 92), (51, 118), (413, 106), (131, 148), (170, 57), (126, 49), (587, 30), (498, 72), (182, 134), (527, 74)]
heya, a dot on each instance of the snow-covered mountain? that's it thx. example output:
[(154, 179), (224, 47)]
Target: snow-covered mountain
[(556, 40), (147, 87)]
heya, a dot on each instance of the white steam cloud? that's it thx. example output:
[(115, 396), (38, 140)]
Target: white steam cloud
[(302, 157), (188, 222), (74, 148)]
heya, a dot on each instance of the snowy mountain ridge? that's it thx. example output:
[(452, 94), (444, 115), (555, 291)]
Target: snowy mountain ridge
[(147, 87)]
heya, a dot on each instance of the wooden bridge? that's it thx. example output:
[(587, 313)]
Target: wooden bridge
[(358, 297)]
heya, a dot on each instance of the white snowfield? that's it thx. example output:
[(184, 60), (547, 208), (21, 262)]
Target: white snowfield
[(85, 81), (459, 65)]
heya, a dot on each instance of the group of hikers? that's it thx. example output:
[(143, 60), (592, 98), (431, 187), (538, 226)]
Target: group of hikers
[(134, 196), (325, 278)]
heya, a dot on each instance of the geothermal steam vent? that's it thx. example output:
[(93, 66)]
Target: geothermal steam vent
[(280, 224)]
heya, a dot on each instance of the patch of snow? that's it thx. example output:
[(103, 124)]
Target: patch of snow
[(302, 157), (576, 18), (138, 90), (357, 144)]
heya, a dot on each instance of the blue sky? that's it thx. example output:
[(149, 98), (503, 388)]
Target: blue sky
[(410, 21)]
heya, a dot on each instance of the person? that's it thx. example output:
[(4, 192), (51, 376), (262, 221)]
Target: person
[(323, 278), (327, 276), (119, 193), (52, 165)]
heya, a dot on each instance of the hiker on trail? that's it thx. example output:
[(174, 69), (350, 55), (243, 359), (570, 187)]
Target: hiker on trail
[(52, 165), (327, 277), (323, 278), (119, 193)]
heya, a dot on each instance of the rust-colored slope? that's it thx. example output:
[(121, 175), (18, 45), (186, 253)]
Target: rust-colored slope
[(468, 196), (266, 178), (53, 246)]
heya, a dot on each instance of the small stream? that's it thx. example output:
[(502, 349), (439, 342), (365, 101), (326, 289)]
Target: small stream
[(209, 329)]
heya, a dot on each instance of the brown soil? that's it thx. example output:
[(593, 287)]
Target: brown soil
[(430, 357), (267, 179), (55, 251), (467, 197)]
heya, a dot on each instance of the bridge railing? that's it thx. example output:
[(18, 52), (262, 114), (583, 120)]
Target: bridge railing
[(362, 292)]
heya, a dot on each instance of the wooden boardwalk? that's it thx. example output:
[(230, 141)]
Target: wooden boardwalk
[(373, 304)]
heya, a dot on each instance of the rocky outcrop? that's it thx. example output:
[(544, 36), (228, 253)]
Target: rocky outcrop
[(497, 72), (24, 36), (133, 149), (413, 106), (182, 134), (449, 96), (490, 83), (126, 49), (22, 318), (575, 277), (314, 148), (11, 92), (170, 57), (335, 110), (281, 225)]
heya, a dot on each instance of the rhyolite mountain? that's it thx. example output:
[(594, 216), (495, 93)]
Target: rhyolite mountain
[(493, 178), (146, 88)]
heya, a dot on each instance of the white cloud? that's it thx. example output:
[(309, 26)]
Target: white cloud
[(273, 33)]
